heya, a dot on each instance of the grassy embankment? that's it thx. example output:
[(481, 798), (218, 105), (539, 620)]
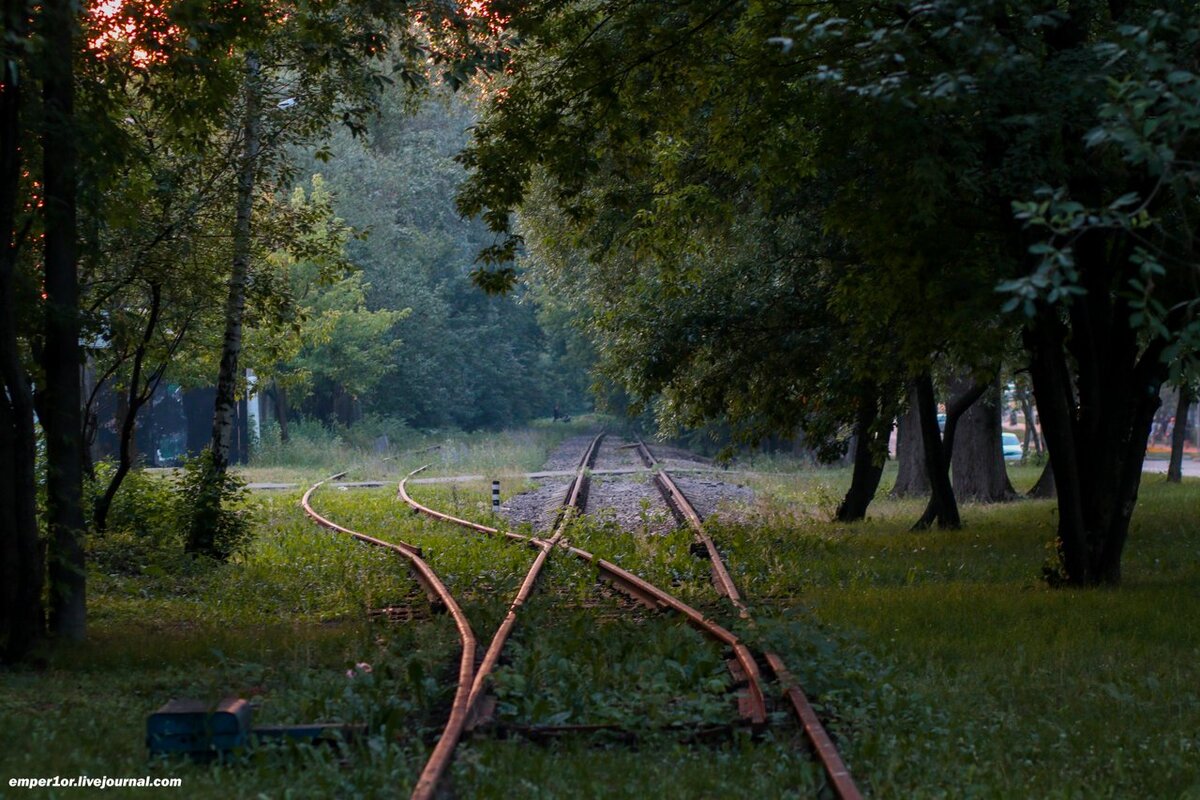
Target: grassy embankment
[(945, 665)]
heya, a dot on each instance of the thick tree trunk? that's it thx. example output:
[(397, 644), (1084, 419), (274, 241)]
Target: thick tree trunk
[(204, 518), (978, 459), (1044, 488), (870, 453), (61, 396), (912, 480), (1097, 441), (22, 615), (942, 507), (1179, 434)]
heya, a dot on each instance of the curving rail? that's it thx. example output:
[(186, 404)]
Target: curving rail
[(576, 495), (439, 759), (822, 744), (752, 705)]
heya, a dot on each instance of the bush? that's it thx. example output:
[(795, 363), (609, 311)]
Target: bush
[(144, 522), (218, 508)]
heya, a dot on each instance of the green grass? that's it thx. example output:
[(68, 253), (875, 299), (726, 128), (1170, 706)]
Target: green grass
[(314, 452), (998, 685), (943, 664)]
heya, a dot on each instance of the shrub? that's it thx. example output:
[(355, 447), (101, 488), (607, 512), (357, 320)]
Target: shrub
[(144, 522), (219, 509)]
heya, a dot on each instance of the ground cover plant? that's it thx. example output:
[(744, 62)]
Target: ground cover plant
[(997, 685), (941, 661)]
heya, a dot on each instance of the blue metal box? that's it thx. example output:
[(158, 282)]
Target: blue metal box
[(194, 727)]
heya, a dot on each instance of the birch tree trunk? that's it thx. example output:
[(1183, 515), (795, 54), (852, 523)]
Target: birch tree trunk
[(204, 518)]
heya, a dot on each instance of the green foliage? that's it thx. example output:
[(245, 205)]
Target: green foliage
[(937, 659), (682, 207), (144, 525), (313, 330), (467, 361), (216, 504), (774, 230)]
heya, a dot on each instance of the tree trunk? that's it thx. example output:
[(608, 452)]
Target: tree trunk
[(1179, 434), (870, 453), (1096, 440), (978, 458), (133, 400), (22, 615), (1031, 431), (1044, 488), (912, 480), (204, 518), (942, 507), (61, 396)]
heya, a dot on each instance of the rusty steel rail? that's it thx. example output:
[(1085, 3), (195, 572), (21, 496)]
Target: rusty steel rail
[(826, 751), (576, 496), (752, 705), (429, 512), (439, 759)]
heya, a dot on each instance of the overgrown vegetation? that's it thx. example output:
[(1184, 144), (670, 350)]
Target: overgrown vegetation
[(933, 656), (313, 447)]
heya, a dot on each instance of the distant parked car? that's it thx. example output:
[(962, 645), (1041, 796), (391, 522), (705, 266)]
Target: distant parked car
[(1013, 450)]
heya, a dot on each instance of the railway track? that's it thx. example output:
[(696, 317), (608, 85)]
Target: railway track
[(440, 596), (751, 703), (574, 502), (470, 708), (823, 746)]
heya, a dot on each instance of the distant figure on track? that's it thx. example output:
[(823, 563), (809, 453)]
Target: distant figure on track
[(556, 413)]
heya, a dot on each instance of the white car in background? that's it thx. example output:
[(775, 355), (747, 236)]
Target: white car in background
[(1013, 450)]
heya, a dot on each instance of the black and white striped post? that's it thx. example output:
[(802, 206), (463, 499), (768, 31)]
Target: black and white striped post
[(495, 497)]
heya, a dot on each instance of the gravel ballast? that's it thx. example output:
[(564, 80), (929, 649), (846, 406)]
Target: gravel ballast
[(711, 496), (538, 507), (633, 502)]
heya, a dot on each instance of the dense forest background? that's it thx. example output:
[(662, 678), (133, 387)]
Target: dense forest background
[(463, 359)]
